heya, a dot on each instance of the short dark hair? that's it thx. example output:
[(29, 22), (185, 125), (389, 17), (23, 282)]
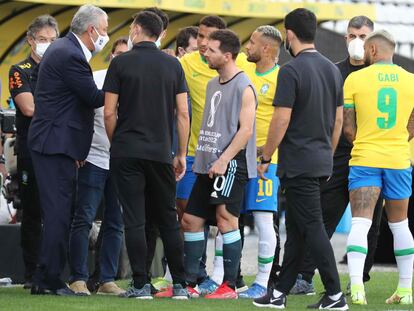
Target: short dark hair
[(213, 21), (149, 22), (184, 36), (119, 41), (161, 14), (303, 23), (229, 41), (39, 23), (360, 21)]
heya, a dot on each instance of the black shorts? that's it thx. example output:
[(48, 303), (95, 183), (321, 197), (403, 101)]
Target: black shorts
[(228, 189)]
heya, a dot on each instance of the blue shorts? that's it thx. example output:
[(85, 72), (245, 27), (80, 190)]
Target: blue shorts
[(395, 184), (185, 185), (261, 195)]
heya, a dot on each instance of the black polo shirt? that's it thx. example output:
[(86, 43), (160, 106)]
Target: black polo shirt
[(147, 81), (311, 85), (22, 78), (344, 146)]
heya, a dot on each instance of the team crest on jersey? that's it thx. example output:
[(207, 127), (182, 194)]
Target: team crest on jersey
[(264, 89)]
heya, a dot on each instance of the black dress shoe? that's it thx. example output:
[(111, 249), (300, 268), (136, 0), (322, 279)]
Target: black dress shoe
[(27, 285), (37, 290), (66, 291)]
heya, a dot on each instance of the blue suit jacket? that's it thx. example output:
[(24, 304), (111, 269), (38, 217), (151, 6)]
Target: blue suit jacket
[(65, 99)]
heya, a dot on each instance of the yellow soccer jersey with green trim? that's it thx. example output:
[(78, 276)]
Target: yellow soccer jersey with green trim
[(265, 85), (198, 74), (383, 99)]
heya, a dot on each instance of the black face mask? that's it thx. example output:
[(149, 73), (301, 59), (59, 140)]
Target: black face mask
[(288, 48)]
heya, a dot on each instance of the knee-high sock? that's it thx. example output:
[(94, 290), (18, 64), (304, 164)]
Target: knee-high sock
[(357, 248), (231, 256), (193, 251), (267, 244), (218, 270), (404, 252)]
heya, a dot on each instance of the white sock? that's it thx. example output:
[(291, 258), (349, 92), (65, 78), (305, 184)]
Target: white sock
[(167, 275), (357, 248), (404, 252), (276, 293), (218, 269), (336, 297), (267, 244)]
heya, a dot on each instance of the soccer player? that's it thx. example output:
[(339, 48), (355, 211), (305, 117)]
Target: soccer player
[(225, 160), (198, 74), (306, 125), (378, 120), (261, 195)]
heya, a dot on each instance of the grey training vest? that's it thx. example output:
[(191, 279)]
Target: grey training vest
[(221, 123)]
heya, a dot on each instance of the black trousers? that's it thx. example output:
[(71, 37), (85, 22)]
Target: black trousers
[(334, 200), (55, 176), (31, 227), (304, 227), (146, 190)]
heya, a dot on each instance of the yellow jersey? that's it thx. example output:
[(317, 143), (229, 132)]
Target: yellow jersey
[(265, 85), (198, 74), (383, 99)]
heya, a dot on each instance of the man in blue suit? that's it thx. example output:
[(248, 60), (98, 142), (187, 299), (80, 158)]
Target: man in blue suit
[(60, 136)]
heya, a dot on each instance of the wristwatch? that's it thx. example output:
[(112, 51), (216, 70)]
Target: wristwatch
[(263, 161)]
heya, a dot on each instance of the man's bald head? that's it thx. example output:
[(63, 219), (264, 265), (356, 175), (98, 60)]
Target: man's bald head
[(379, 46)]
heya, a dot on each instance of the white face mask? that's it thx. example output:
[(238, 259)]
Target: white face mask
[(41, 48), (158, 42), (356, 49), (130, 42), (100, 43)]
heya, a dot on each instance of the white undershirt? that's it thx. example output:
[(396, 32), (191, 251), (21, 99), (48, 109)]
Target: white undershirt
[(86, 52)]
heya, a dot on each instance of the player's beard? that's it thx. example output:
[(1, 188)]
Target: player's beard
[(253, 58), (367, 60)]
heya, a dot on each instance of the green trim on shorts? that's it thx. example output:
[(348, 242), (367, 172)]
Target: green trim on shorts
[(351, 105), (404, 252), (356, 249), (264, 261)]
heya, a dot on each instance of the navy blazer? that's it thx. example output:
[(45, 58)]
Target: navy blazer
[(65, 98)]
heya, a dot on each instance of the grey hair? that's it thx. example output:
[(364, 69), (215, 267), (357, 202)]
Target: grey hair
[(382, 35), (360, 21), (87, 14), (41, 22), (270, 32)]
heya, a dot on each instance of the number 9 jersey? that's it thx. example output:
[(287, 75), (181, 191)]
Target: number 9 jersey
[(383, 98)]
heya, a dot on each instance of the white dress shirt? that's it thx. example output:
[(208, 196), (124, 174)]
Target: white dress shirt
[(86, 52)]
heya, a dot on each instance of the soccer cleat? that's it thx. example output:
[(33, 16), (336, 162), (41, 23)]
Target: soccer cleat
[(166, 293), (327, 303), (193, 292), (255, 291), (269, 301), (302, 287), (161, 284), (402, 296), (224, 291), (358, 295), (207, 286), (179, 292), (138, 293)]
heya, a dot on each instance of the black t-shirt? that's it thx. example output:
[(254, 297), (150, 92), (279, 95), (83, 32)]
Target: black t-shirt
[(147, 81), (22, 78), (344, 146), (311, 85)]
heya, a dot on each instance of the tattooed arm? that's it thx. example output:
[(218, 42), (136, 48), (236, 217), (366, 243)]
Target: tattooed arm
[(350, 127), (410, 126)]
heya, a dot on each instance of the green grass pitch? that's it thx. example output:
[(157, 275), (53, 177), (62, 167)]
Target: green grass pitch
[(380, 287)]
